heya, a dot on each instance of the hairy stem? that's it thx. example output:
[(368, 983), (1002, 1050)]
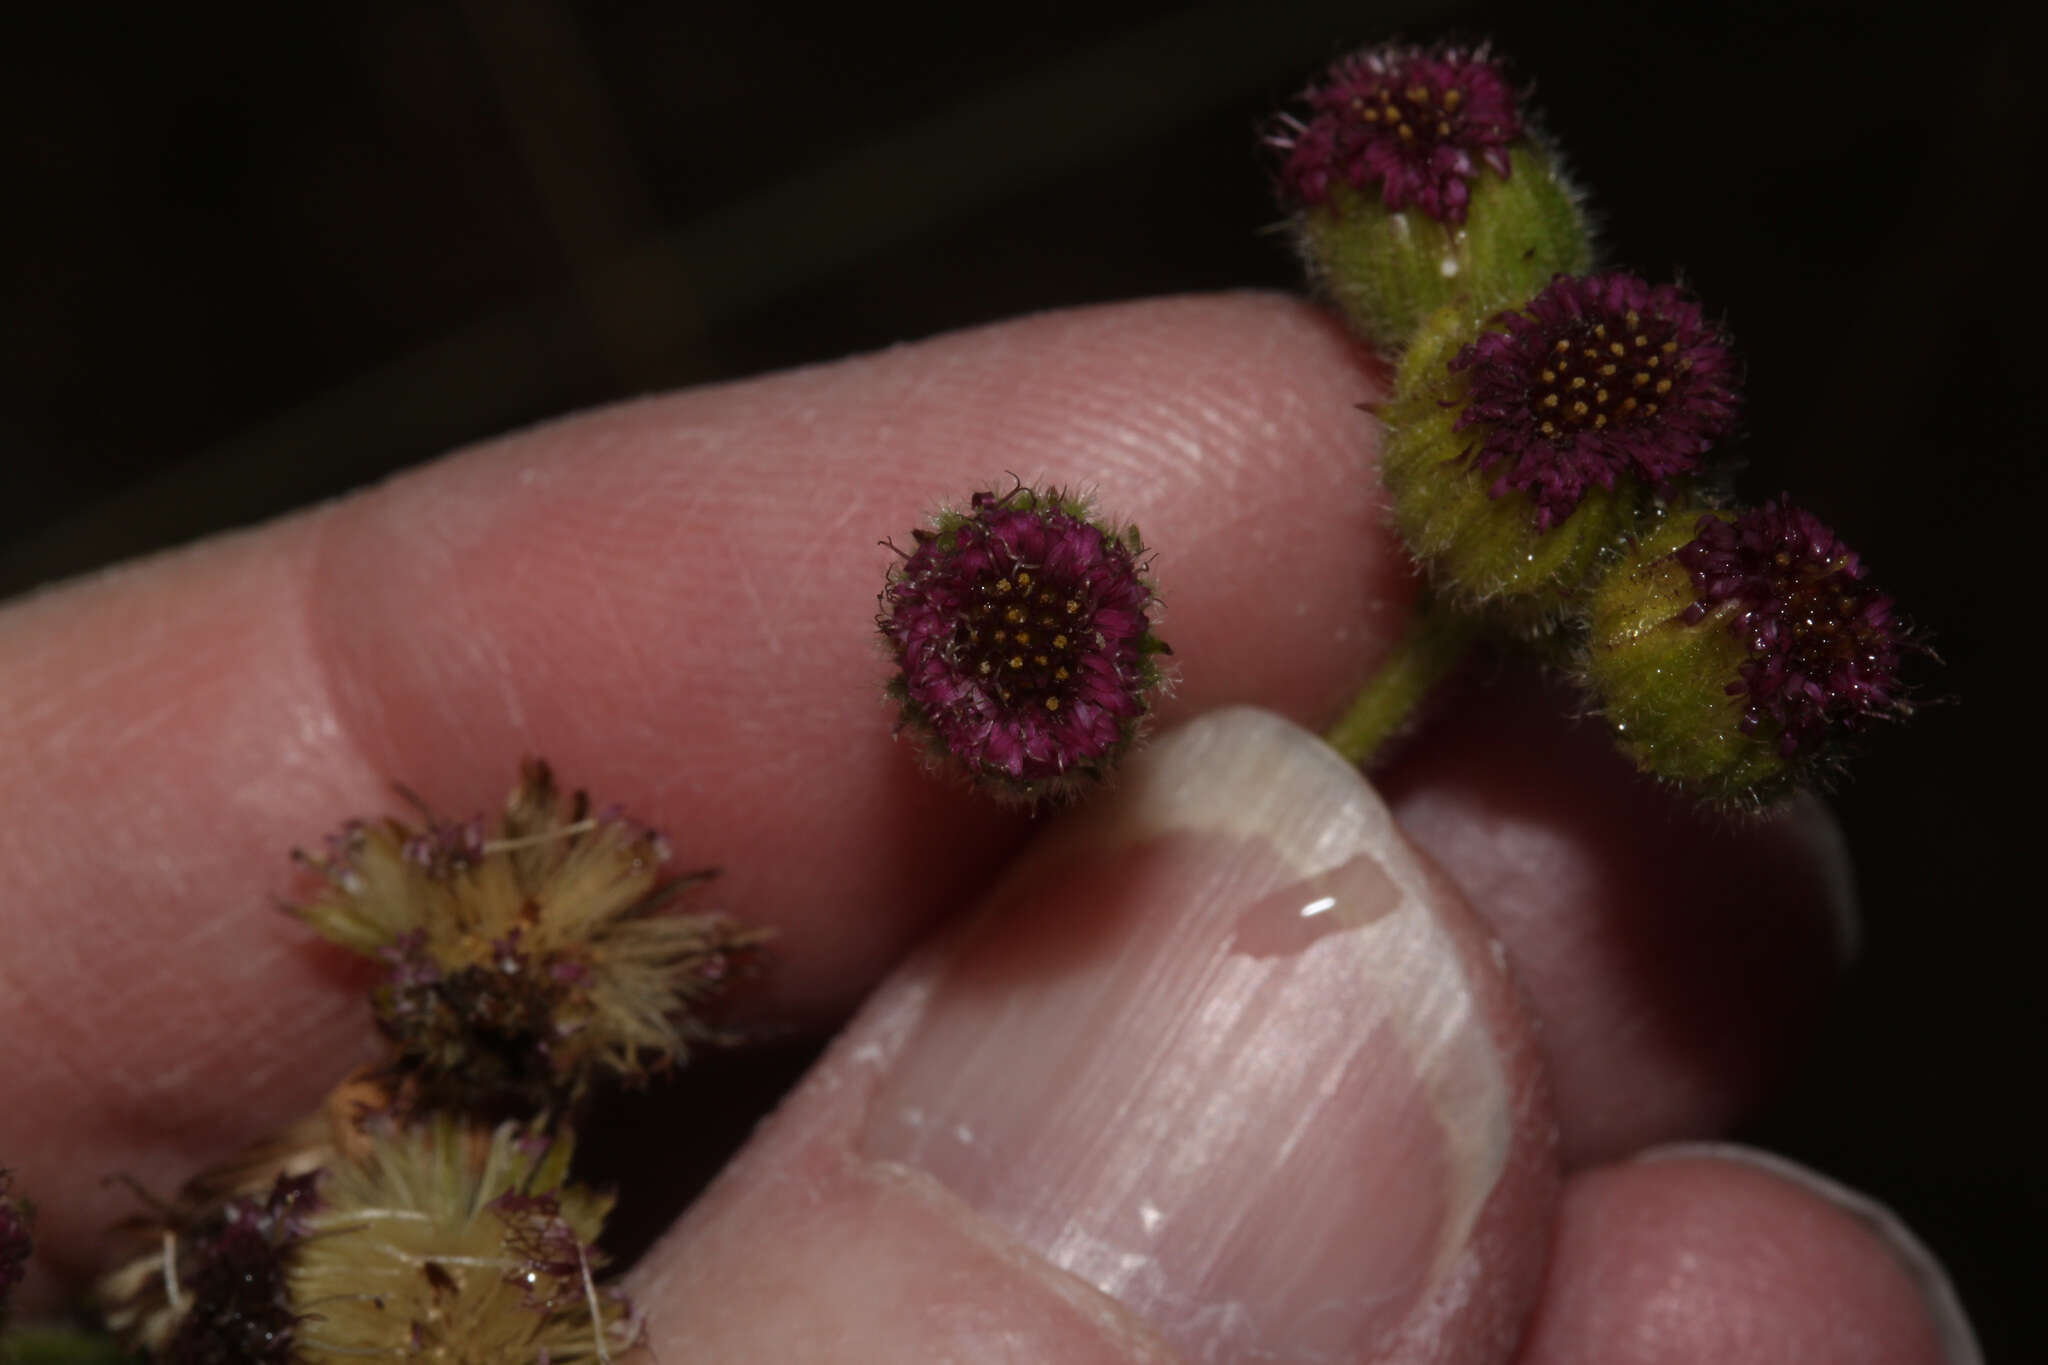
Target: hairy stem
[(1436, 640)]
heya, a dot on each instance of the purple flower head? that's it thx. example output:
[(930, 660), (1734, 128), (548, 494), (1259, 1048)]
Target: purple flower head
[(1023, 637), (1823, 648), (1594, 379), (1414, 124), (16, 1218)]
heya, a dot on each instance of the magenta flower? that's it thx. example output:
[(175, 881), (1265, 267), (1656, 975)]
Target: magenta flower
[(16, 1245), (1412, 124), (1023, 637), (1824, 649), (1593, 379)]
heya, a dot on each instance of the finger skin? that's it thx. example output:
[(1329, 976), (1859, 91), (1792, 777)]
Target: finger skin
[(1700, 1260)]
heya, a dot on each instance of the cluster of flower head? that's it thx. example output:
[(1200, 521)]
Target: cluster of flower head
[(427, 1211), (1022, 634), (1545, 437)]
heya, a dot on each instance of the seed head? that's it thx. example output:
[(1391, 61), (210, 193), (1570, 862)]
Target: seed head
[(461, 1244), (1413, 125), (1023, 639), (1593, 380), (519, 964), (1823, 649)]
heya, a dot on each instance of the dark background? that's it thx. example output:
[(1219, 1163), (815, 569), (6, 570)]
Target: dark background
[(249, 267)]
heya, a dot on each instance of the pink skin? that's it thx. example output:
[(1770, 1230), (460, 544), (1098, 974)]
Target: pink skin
[(672, 601)]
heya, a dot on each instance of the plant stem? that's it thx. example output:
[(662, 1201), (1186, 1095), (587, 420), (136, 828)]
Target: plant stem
[(1436, 639)]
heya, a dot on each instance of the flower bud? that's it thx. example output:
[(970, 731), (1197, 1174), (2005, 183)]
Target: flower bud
[(1416, 183), (1524, 447), (1022, 633), (1735, 650)]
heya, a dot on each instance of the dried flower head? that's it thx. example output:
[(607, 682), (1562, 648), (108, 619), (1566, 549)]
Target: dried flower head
[(443, 1239), (1023, 636), (1412, 124), (518, 964), (1593, 380), (17, 1222), (1823, 648), (461, 1244)]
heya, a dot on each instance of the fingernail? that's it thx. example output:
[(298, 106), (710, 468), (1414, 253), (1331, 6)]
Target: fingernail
[(1952, 1330), (1211, 1050)]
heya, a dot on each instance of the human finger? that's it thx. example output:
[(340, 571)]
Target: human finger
[(673, 602), (1696, 1255), (1678, 959), (1220, 1070)]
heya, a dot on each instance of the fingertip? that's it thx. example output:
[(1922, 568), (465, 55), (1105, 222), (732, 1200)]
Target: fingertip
[(1678, 958), (1697, 1255)]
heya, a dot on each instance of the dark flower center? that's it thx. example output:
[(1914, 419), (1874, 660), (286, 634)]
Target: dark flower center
[(1823, 618), (1023, 637), (1411, 112), (1600, 375), (1593, 379), (476, 1036)]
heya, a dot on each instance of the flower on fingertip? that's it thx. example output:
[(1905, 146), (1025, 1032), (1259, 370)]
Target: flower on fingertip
[(1737, 651), (1022, 632)]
